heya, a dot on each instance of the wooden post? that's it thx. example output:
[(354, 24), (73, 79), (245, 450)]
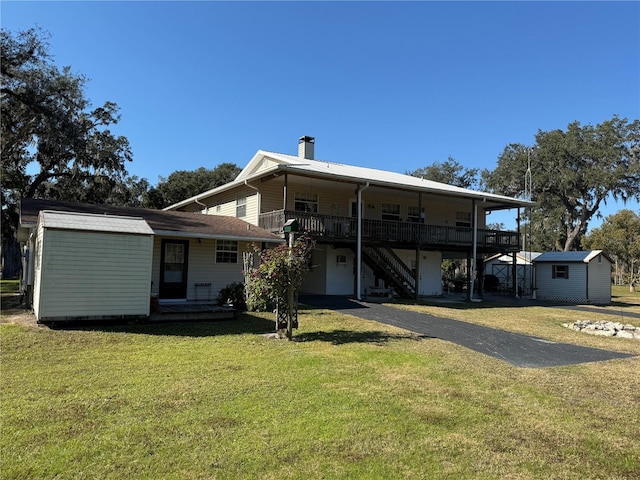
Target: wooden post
[(290, 290)]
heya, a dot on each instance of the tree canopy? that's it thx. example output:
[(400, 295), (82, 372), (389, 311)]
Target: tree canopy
[(450, 172), (54, 144), (573, 172), (184, 184), (619, 236)]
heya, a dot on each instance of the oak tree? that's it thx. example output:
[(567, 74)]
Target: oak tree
[(619, 236), (54, 144), (570, 174), (184, 184), (450, 172)]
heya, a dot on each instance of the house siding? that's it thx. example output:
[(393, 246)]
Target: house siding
[(335, 198), (315, 281), (205, 277), (572, 289), (225, 204), (92, 274)]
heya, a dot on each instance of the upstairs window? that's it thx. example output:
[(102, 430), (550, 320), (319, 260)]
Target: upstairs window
[(391, 211), (306, 202), (241, 207), (560, 271), (413, 215), (463, 219), (226, 251)]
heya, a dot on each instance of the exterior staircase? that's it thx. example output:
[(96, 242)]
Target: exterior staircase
[(388, 266)]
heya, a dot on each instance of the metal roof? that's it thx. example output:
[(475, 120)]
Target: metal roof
[(507, 258), (584, 256), (94, 222), (362, 175)]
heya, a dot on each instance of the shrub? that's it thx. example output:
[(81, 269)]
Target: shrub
[(234, 295)]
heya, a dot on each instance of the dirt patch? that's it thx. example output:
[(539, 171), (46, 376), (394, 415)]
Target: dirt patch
[(13, 311)]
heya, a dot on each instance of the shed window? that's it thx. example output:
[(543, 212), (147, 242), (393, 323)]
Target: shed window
[(560, 271), (306, 202), (241, 207), (390, 211), (226, 251)]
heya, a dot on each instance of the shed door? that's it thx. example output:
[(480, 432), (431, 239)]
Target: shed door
[(173, 269)]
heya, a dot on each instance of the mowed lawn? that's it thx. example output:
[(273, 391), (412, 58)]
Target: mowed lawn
[(347, 399)]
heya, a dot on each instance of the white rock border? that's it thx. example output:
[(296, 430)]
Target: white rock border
[(605, 328)]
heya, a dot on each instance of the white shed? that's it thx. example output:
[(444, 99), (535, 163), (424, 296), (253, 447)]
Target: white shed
[(501, 267), (576, 277), (89, 266)]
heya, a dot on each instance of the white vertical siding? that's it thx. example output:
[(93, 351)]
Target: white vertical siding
[(599, 278), (93, 274), (37, 265), (572, 289)]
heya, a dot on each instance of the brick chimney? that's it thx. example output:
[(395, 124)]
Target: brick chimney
[(305, 147)]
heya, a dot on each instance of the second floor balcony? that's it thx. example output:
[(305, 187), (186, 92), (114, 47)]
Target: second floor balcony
[(334, 228)]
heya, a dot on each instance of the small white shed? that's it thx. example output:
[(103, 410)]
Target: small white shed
[(575, 277), (501, 267), (89, 266)]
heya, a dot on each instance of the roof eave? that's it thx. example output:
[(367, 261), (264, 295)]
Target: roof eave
[(174, 233), (502, 202)]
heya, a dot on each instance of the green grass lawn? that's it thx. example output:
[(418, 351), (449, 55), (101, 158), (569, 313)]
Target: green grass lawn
[(347, 399), (9, 286)]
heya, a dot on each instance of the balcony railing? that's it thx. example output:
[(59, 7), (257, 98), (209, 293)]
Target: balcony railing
[(334, 228)]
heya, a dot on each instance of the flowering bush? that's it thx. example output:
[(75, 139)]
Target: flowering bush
[(268, 283)]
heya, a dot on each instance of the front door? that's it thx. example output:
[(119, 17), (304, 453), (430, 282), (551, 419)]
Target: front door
[(173, 269)]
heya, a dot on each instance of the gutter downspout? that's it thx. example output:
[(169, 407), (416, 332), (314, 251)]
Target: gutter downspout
[(359, 241), (259, 198), (198, 202)]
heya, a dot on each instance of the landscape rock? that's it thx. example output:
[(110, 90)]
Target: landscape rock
[(605, 329)]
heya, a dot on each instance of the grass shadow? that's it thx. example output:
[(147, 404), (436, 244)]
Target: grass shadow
[(243, 323), (342, 337)]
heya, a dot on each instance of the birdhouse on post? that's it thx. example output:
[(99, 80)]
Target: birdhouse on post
[(291, 226)]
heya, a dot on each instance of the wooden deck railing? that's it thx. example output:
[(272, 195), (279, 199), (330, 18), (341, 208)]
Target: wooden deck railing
[(334, 227)]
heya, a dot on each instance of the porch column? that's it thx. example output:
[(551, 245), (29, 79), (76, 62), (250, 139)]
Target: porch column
[(286, 186), (514, 274), (474, 226), (419, 244), (359, 241), (514, 264), (469, 280)]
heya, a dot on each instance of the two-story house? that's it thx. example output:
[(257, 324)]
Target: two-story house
[(373, 228)]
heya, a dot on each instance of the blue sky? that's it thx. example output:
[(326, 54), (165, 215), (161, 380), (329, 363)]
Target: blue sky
[(390, 85)]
